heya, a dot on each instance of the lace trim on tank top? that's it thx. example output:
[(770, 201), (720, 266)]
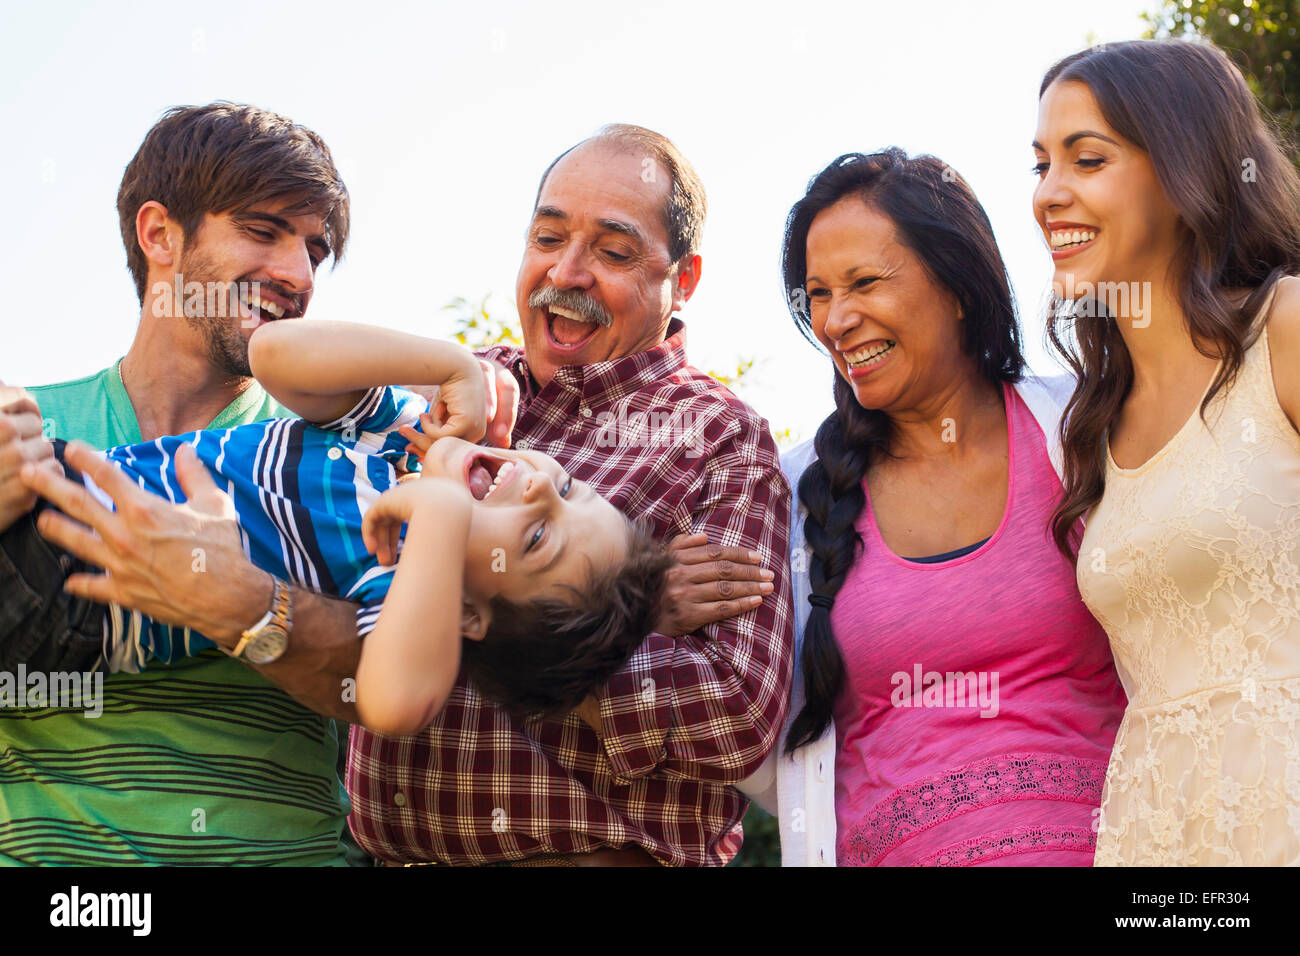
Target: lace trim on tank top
[(1022, 840), (937, 798)]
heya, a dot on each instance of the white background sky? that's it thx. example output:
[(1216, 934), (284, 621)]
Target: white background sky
[(442, 116)]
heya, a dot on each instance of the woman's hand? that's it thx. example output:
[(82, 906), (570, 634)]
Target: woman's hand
[(709, 583), (381, 529)]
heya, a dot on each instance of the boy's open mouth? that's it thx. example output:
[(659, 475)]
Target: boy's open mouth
[(485, 473)]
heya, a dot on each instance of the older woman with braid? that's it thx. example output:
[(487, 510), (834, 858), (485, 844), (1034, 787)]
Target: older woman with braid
[(954, 702)]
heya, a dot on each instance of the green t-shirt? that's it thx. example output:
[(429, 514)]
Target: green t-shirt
[(202, 762)]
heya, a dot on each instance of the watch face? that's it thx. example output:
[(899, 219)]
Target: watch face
[(267, 646)]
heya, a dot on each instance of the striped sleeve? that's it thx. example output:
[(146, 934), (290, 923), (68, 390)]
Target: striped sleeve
[(369, 592), (380, 410)]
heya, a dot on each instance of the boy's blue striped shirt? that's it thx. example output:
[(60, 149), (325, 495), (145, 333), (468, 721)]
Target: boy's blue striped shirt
[(300, 493)]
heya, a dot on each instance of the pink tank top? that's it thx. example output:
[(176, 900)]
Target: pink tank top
[(981, 700)]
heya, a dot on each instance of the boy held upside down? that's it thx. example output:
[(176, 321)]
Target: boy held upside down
[(543, 586)]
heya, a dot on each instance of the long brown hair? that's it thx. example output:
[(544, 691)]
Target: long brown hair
[(937, 216), (1237, 193)]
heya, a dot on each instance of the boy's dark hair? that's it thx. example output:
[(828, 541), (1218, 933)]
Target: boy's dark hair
[(228, 157), (543, 657)]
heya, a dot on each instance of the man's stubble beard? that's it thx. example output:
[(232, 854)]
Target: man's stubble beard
[(225, 347)]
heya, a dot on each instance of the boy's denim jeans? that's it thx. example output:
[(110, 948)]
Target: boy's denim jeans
[(41, 625)]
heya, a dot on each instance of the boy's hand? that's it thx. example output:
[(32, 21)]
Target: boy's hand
[(419, 440), (502, 394), (464, 403), (709, 583), (381, 529), (460, 407)]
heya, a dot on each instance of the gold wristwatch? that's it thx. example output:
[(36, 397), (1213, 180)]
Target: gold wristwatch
[(267, 640)]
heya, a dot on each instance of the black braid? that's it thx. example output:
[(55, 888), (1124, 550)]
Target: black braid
[(935, 215), (847, 443)]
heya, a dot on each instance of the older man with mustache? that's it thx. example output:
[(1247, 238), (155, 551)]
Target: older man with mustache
[(642, 774)]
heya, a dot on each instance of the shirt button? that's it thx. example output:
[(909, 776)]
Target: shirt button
[(335, 453), (522, 445), (399, 798), (586, 412), (821, 769), (821, 853)]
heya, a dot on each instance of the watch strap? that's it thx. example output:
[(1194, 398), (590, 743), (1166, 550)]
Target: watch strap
[(280, 615)]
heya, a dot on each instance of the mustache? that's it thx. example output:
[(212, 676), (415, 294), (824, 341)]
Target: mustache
[(573, 301)]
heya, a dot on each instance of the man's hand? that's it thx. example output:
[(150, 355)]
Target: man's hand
[(709, 583), (503, 403), (178, 564), (21, 442), (183, 565), (502, 409)]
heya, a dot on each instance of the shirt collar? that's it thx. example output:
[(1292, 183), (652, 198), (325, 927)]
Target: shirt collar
[(602, 383)]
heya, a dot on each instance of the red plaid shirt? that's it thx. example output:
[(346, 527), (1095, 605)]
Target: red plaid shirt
[(684, 719)]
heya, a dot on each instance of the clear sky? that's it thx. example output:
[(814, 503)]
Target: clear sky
[(442, 116)]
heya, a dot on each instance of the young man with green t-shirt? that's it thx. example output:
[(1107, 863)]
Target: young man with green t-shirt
[(226, 212)]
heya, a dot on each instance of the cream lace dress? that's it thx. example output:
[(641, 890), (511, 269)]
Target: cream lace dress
[(1191, 562)]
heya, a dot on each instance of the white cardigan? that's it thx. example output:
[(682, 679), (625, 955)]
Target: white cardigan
[(800, 789)]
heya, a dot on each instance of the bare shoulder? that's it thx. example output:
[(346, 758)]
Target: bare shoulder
[(1285, 313), (1284, 346)]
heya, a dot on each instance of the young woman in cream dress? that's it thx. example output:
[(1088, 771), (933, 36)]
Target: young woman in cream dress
[(1173, 216)]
